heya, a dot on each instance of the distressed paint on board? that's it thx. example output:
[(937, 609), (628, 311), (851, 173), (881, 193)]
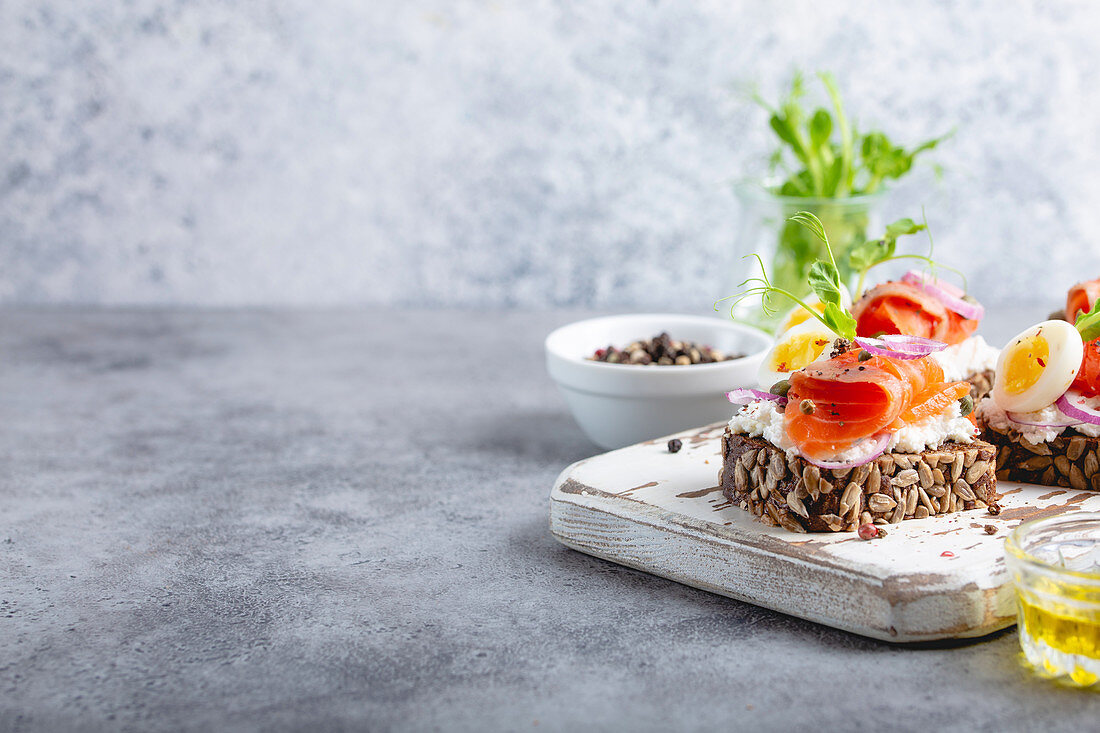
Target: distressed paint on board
[(661, 512)]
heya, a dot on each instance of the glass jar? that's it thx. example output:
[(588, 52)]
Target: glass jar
[(1055, 565), (787, 248)]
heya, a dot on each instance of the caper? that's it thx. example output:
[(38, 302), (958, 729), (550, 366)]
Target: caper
[(970, 299), (807, 407), (966, 405), (780, 388), (864, 355)]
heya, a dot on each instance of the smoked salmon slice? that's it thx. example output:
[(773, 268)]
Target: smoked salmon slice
[(853, 400), (1081, 297), (903, 308)]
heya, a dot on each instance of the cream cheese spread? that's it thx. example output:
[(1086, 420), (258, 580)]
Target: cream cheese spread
[(764, 419), (997, 418), (966, 359)]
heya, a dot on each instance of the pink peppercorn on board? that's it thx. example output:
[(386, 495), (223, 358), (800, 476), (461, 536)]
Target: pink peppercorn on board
[(942, 577)]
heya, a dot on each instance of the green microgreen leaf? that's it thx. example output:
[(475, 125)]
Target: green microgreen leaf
[(821, 154), (809, 220), (835, 173), (823, 277), (902, 227), (843, 180), (785, 131), (821, 127), (865, 256), (833, 159), (775, 160), (876, 251), (1088, 324), (840, 321), (825, 281), (835, 318)]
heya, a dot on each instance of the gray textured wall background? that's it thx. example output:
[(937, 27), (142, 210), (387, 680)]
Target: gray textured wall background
[(507, 153)]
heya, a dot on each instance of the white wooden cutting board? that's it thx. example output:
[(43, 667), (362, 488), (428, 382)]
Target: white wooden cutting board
[(936, 578)]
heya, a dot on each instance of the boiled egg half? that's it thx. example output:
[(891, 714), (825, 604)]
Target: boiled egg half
[(798, 314), (794, 349), (1037, 367)]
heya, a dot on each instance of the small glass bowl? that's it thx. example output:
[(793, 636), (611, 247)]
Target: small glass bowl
[(1055, 564)]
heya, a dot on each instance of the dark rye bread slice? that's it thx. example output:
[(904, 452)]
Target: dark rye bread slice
[(981, 384), (792, 493), (1071, 460)]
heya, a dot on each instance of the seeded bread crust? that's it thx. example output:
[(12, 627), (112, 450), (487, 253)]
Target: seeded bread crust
[(1071, 460), (792, 493), (981, 384)]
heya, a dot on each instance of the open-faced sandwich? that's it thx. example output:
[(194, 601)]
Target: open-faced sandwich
[(1044, 412), (868, 432), (919, 304), (922, 305)]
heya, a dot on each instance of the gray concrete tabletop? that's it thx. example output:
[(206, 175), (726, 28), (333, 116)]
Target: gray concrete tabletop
[(277, 520)]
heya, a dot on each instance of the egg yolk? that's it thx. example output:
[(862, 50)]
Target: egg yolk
[(801, 315), (798, 351), (1025, 363)]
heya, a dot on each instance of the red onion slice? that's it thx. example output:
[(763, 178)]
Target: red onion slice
[(875, 447), (914, 342), (897, 346), (745, 396), (1072, 405), (1017, 418), (946, 293), (916, 277)]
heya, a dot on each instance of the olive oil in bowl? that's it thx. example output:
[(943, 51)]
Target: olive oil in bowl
[(1055, 564)]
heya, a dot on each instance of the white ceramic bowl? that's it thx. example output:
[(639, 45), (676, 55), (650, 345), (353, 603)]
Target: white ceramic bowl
[(622, 404)]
